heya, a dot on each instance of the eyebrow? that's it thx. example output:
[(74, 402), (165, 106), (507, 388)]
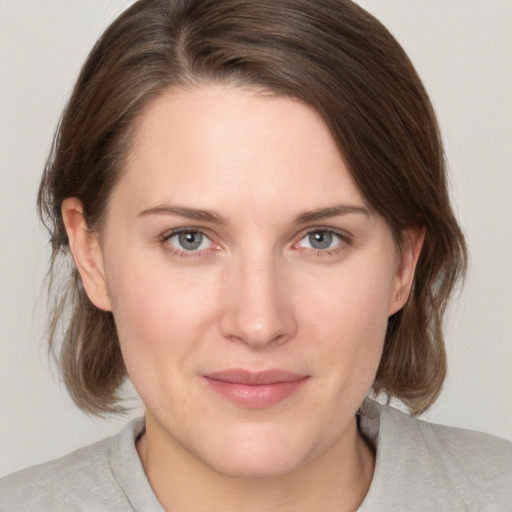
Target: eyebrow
[(216, 218), (187, 213), (332, 211)]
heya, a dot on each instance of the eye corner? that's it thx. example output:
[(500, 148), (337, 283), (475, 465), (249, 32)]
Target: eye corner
[(330, 242), (188, 242)]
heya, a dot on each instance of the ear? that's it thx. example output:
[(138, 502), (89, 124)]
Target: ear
[(409, 252), (87, 253)]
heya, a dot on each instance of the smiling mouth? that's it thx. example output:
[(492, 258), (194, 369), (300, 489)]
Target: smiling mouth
[(255, 390)]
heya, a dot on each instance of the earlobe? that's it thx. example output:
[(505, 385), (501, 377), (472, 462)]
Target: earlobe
[(86, 251), (410, 250)]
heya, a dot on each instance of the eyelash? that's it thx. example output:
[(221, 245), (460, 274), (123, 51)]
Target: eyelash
[(345, 239), (165, 238)]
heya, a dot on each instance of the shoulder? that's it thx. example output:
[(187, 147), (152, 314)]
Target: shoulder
[(484, 460), (475, 454), (448, 468), (82, 480)]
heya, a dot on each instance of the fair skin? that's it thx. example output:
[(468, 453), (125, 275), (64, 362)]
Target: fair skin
[(278, 265)]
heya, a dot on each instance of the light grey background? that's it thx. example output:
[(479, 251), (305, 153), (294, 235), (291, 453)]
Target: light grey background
[(463, 51)]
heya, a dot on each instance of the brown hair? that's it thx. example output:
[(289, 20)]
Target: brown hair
[(330, 54)]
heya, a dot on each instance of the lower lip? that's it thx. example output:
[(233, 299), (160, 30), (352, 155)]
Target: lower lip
[(256, 396)]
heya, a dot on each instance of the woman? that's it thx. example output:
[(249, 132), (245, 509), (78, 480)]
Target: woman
[(254, 197)]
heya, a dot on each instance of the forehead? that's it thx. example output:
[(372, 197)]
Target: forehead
[(214, 143)]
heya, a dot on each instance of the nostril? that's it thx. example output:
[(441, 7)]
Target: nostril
[(255, 309), (259, 336)]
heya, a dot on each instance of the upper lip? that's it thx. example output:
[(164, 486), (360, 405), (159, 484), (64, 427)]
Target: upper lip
[(252, 378)]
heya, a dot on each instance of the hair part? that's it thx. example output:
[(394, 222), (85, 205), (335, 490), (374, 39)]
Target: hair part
[(329, 54)]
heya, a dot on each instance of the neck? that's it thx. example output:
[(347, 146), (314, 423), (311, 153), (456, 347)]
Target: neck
[(337, 480)]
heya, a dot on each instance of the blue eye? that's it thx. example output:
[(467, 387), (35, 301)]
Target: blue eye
[(190, 241), (320, 240)]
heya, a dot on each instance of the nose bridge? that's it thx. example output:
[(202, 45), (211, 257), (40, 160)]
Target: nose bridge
[(258, 310)]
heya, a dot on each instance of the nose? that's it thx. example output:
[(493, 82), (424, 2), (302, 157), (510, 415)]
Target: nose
[(257, 304)]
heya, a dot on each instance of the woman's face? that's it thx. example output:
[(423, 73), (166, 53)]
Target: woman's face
[(250, 283)]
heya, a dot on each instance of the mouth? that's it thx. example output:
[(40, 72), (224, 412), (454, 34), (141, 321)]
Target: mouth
[(255, 390)]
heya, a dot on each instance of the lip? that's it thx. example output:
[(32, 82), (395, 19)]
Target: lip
[(255, 390)]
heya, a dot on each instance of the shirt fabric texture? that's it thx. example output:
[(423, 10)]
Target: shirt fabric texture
[(419, 467)]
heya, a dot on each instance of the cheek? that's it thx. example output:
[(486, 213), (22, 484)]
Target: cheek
[(348, 314), (162, 322), (158, 313), (350, 299)]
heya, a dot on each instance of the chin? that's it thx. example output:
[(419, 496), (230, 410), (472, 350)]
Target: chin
[(264, 465), (257, 452)]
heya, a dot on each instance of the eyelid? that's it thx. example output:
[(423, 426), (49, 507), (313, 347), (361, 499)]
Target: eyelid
[(183, 253), (345, 239), (187, 229), (341, 233)]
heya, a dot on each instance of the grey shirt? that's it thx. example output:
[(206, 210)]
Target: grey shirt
[(419, 467)]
